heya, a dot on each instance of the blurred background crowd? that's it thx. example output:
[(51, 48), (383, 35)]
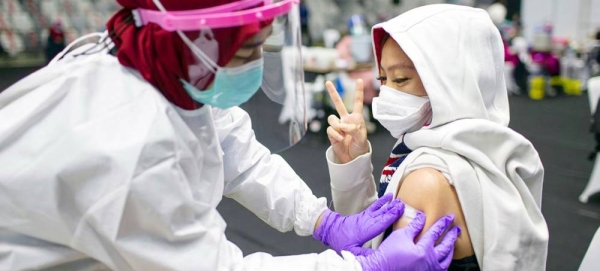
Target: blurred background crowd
[(31, 31), (551, 46)]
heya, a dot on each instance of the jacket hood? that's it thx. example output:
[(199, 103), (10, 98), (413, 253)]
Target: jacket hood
[(459, 55)]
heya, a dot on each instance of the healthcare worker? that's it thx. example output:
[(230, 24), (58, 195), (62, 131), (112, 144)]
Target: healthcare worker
[(116, 155), (443, 96)]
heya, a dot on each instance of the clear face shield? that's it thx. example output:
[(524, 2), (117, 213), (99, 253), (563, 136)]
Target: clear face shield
[(268, 82)]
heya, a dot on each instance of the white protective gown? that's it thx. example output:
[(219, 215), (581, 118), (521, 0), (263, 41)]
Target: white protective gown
[(98, 170), (496, 172)]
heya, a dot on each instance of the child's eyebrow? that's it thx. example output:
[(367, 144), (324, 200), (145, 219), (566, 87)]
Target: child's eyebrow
[(401, 66)]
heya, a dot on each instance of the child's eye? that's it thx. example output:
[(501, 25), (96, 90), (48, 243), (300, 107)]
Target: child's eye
[(400, 80), (381, 78)]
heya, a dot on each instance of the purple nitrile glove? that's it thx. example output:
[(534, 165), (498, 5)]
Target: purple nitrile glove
[(351, 232), (399, 252)]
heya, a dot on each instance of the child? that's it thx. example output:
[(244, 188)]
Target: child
[(444, 97)]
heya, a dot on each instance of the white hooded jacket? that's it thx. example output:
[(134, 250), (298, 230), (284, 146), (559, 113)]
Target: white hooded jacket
[(496, 172), (100, 171)]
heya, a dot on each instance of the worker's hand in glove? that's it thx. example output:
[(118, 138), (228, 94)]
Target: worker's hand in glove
[(351, 232), (399, 252), (348, 133)]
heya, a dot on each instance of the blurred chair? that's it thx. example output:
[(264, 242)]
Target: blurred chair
[(12, 43), (593, 92), (331, 37), (591, 260), (22, 22), (3, 22), (49, 8), (593, 185), (32, 42), (11, 6)]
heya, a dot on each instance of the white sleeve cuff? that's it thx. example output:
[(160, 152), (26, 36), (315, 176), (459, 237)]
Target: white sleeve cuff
[(308, 210), (349, 175)]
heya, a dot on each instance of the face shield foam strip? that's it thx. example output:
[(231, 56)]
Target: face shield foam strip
[(235, 6), (201, 18)]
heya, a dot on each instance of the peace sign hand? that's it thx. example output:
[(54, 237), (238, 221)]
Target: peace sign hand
[(347, 134)]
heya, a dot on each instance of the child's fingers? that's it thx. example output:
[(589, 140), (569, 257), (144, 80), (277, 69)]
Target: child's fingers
[(333, 135), (334, 122), (359, 97), (336, 99)]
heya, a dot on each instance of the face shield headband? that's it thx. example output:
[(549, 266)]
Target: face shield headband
[(228, 15)]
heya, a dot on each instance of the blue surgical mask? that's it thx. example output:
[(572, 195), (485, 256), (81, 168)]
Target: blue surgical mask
[(231, 86)]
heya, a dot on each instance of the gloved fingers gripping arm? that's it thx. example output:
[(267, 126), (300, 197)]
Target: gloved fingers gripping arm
[(445, 249), (399, 252), (434, 233), (351, 232)]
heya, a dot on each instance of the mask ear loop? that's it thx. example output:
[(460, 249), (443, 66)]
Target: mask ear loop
[(64, 52), (104, 42), (209, 63)]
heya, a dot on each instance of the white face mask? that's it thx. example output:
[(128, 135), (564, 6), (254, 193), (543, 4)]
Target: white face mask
[(400, 112)]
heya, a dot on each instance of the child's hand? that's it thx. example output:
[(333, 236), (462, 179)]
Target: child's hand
[(347, 134)]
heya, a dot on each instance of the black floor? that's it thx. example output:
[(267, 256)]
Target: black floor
[(557, 127)]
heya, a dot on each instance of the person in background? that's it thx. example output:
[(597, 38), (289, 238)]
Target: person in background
[(594, 56), (55, 42), (304, 17), (356, 50)]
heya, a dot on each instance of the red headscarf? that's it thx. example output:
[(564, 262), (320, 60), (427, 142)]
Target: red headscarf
[(161, 56)]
